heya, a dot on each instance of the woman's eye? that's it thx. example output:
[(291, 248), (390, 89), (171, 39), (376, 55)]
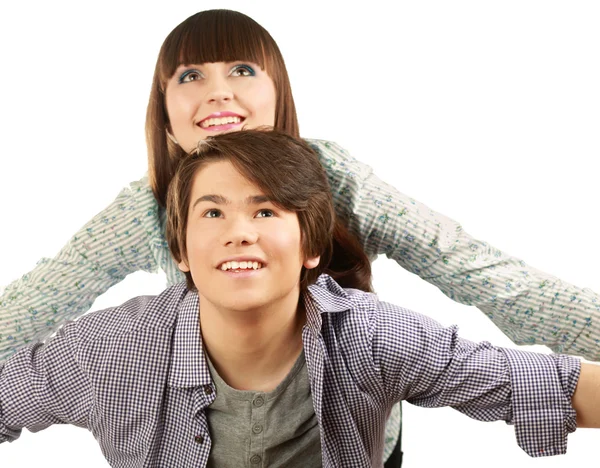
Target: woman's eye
[(212, 214), (189, 75), (265, 214), (242, 70)]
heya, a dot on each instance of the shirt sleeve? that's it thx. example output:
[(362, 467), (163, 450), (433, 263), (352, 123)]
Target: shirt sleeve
[(429, 365), (43, 384), (123, 238), (529, 306)]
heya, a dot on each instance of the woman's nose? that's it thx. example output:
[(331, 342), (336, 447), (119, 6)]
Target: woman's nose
[(219, 91)]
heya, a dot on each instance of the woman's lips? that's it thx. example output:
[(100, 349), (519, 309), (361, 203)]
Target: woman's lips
[(218, 122)]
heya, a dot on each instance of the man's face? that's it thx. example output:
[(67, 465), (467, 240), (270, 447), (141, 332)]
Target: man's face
[(243, 251)]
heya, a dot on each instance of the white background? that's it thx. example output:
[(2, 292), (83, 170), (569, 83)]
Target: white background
[(487, 111)]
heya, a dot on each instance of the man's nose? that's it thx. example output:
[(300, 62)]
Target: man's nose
[(240, 232)]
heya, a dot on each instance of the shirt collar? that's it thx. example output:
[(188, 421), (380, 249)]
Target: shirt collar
[(189, 368), (324, 296)]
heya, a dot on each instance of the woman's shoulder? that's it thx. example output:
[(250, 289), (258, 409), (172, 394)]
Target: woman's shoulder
[(138, 195), (338, 162), (325, 146), (140, 188)]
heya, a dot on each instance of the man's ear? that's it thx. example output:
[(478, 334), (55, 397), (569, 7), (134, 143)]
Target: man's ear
[(311, 262), (183, 266)]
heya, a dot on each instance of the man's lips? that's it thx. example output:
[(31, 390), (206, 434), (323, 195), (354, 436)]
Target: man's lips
[(246, 262), (243, 265)]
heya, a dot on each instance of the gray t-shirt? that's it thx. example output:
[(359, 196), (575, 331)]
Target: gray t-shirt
[(259, 430)]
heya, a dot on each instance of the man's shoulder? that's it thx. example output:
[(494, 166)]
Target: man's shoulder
[(158, 313), (331, 297), (357, 311)]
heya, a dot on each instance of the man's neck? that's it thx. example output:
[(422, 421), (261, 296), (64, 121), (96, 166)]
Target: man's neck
[(253, 349)]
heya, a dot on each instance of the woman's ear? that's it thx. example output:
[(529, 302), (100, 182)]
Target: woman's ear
[(311, 262), (183, 266), (170, 135)]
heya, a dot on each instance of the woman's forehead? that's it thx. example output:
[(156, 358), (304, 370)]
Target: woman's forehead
[(210, 50), (185, 64)]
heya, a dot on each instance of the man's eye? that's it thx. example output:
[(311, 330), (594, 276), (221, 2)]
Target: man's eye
[(212, 214), (265, 214)]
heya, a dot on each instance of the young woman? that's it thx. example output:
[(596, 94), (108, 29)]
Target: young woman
[(259, 360), (109, 247)]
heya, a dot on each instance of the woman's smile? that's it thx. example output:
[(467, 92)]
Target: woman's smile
[(205, 99), (221, 121)]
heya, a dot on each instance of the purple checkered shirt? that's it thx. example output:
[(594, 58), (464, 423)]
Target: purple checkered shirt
[(136, 376)]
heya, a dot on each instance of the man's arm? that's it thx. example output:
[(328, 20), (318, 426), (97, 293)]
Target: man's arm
[(43, 384), (586, 399), (429, 365)]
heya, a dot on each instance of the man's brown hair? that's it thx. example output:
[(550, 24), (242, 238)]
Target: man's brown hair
[(289, 173), (207, 37)]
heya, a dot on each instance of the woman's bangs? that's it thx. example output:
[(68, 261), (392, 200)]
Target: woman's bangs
[(213, 42)]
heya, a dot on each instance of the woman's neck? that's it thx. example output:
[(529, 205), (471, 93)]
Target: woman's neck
[(253, 349)]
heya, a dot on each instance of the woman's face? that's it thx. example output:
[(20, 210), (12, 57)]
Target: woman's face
[(210, 98)]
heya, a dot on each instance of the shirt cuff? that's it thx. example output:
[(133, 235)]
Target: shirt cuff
[(542, 387)]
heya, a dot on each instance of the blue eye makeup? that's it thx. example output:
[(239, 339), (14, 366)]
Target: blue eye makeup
[(192, 74), (243, 70), (189, 75)]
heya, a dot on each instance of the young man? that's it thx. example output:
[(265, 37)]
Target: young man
[(262, 360)]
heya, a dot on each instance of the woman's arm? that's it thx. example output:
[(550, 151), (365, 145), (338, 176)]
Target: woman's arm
[(529, 306), (125, 237)]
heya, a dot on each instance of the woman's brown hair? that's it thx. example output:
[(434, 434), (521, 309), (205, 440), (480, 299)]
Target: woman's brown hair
[(210, 36), (289, 173)]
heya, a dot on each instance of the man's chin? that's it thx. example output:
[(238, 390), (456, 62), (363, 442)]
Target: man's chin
[(242, 303)]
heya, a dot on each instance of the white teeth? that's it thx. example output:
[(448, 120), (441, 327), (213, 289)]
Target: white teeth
[(220, 121), (233, 265)]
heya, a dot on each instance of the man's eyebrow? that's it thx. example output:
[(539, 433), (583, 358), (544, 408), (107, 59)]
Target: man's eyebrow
[(217, 199), (257, 199), (221, 200)]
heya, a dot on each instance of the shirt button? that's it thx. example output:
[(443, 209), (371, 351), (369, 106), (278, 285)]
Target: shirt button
[(259, 401), (198, 439), (208, 389), (257, 428), (255, 459)]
